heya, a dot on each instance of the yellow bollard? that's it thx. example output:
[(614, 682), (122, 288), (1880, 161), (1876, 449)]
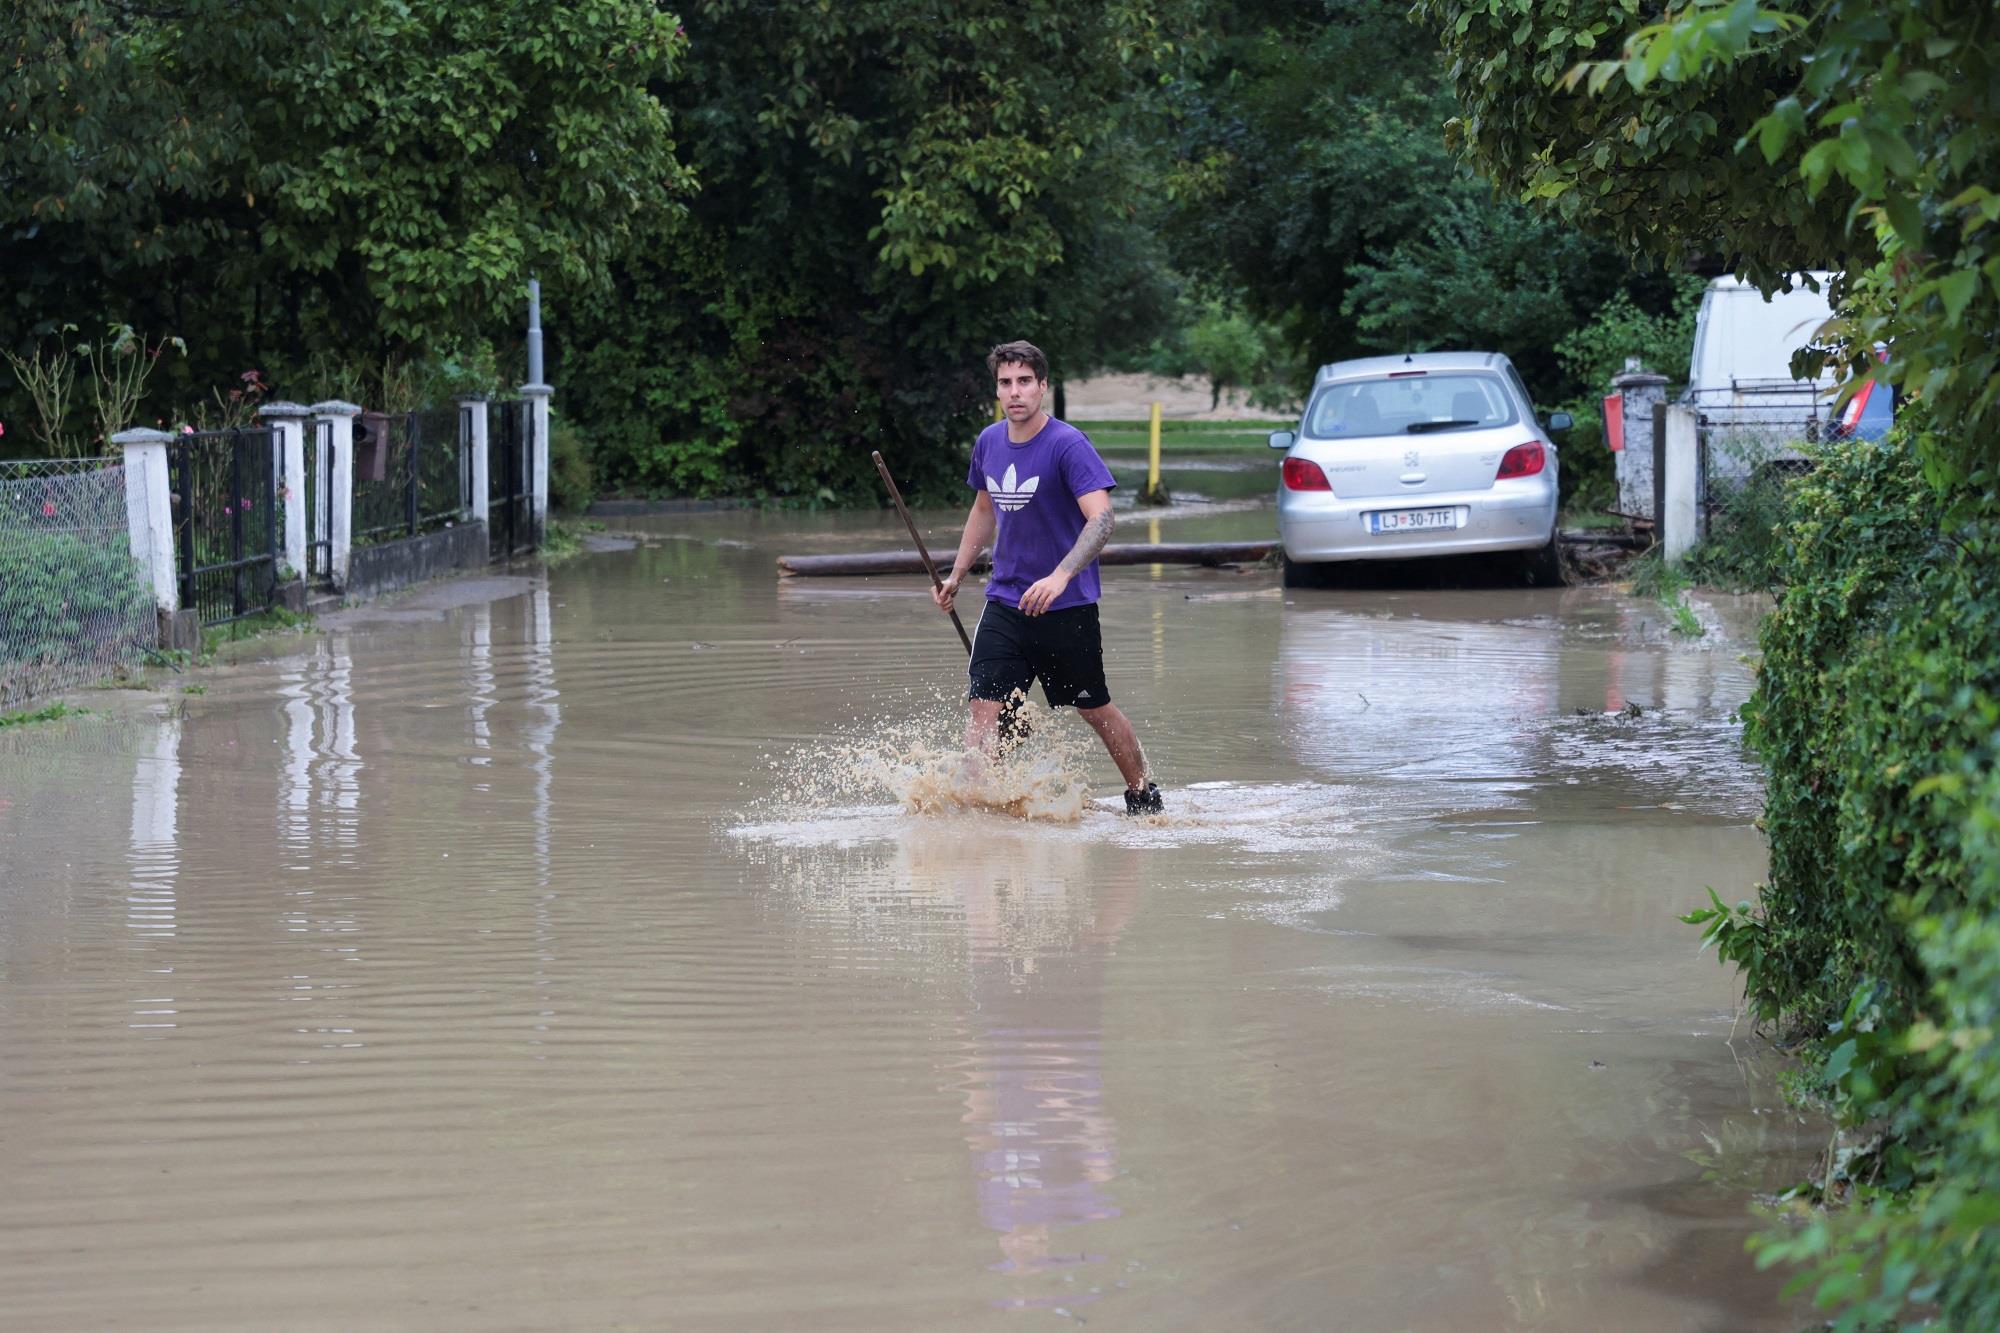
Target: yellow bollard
[(999, 414), (1154, 493)]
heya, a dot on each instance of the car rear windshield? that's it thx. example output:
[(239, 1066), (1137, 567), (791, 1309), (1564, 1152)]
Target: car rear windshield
[(1409, 404)]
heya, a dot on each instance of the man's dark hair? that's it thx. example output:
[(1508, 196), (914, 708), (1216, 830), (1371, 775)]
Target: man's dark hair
[(1018, 354)]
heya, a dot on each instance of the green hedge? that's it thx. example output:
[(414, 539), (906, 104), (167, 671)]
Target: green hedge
[(1876, 942), (59, 593)]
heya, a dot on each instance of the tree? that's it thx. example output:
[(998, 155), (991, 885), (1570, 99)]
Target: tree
[(887, 190), (1859, 137), (271, 179), (1313, 171)]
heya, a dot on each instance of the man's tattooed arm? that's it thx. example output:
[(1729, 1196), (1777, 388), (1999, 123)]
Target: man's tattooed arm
[(1089, 542)]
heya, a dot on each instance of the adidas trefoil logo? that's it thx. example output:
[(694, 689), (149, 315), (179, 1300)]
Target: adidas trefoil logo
[(1010, 494)]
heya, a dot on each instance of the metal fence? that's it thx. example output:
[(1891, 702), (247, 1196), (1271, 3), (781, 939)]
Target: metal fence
[(510, 480), (74, 607), (1745, 466), (227, 533), (412, 472)]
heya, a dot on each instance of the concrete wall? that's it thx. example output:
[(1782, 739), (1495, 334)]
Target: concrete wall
[(373, 570)]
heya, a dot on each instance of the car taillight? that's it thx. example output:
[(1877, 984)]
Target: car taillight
[(1523, 460), (1302, 474)]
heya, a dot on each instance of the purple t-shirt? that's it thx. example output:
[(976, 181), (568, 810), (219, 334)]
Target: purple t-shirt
[(1034, 488)]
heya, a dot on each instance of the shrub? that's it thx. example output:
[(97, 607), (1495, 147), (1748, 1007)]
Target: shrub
[(58, 592), (572, 483), (1876, 941)]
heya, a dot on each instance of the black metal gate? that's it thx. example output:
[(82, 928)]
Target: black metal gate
[(510, 481), (225, 514), (319, 503)]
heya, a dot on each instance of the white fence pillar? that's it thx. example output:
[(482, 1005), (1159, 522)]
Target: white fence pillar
[(339, 487), (149, 515), (289, 421), (481, 475), (1681, 523), (535, 397)]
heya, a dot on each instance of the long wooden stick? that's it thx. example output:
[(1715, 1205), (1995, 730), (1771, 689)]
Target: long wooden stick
[(930, 566)]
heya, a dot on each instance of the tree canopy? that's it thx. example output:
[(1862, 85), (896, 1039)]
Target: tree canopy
[(887, 190), (1858, 137), (271, 179)]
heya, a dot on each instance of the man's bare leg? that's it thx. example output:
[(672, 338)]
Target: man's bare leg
[(1116, 732), (982, 726)]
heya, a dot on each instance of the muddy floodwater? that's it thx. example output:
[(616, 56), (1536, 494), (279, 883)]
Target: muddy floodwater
[(559, 951)]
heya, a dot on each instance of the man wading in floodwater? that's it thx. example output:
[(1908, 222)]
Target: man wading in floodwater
[(1048, 495)]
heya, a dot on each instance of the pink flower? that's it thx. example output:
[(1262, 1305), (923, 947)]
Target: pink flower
[(245, 505), (48, 509), (187, 430)]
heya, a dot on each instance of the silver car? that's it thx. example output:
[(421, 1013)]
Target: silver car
[(1431, 454)]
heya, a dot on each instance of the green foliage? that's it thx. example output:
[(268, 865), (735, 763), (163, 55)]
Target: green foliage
[(1839, 134), (1877, 712), (1667, 584), (1311, 168), (1663, 340), (572, 486), (56, 589), (887, 191), (1235, 351), (1477, 274), (54, 712), (277, 620), (562, 539), (1744, 547), (274, 179)]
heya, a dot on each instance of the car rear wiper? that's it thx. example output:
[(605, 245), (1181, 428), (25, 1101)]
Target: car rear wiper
[(1424, 427)]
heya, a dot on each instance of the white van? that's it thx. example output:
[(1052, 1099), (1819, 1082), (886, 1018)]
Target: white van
[(1740, 379)]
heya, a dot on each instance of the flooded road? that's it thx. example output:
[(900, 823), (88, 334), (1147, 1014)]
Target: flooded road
[(551, 954)]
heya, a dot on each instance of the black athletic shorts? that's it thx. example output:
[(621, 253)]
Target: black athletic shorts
[(1062, 649)]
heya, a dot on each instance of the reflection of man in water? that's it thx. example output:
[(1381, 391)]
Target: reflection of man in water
[(1043, 1146), (1043, 498)]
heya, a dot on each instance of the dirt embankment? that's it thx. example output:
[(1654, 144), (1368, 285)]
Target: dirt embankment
[(1130, 397)]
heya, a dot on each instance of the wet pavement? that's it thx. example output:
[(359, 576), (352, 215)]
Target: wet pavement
[(559, 954)]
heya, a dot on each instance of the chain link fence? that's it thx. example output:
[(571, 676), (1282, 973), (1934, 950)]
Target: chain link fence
[(73, 604)]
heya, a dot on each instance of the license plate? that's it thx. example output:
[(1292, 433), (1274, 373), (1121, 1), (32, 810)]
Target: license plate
[(1411, 520)]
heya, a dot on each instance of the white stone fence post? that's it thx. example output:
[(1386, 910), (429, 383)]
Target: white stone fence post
[(535, 402), (149, 514), (289, 421), (1681, 519), (339, 482), (475, 406)]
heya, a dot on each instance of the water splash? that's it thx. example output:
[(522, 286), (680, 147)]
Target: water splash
[(920, 762)]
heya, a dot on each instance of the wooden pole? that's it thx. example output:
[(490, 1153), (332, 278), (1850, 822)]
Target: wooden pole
[(930, 566), (863, 563), (1154, 492), (1153, 451)]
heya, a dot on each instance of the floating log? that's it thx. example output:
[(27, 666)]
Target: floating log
[(1133, 553)]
